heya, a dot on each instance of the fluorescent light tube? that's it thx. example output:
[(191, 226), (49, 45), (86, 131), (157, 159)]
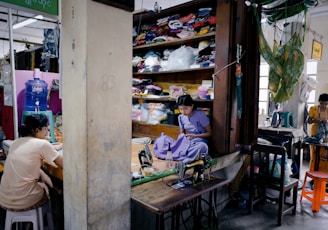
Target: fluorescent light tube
[(27, 22)]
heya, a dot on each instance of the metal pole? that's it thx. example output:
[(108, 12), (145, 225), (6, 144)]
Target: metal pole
[(13, 74)]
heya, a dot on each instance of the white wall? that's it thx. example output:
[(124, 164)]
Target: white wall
[(319, 26)]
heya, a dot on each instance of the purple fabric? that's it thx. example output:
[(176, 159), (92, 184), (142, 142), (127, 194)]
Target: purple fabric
[(182, 149), (179, 147), (196, 147)]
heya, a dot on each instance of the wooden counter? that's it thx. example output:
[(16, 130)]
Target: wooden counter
[(158, 164)]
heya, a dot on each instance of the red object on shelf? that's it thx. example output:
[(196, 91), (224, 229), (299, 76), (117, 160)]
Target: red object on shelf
[(6, 118)]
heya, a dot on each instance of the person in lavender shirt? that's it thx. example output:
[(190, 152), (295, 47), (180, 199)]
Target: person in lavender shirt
[(195, 125)]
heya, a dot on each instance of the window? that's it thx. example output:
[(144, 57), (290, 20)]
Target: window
[(263, 88), (264, 94), (311, 71)]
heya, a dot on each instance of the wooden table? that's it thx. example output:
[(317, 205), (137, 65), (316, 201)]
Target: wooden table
[(159, 197), (160, 165), (295, 138), (135, 164)]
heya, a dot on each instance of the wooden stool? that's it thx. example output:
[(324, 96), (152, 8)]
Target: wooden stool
[(318, 195), (34, 215)]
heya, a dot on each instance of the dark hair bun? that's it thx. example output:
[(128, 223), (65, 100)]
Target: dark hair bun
[(323, 97)]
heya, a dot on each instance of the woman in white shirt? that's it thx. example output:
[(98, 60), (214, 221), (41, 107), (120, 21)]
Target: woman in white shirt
[(21, 186)]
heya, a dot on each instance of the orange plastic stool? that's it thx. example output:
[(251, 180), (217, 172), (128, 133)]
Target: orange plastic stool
[(318, 195)]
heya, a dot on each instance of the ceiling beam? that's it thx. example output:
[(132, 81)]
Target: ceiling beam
[(22, 41), (319, 11)]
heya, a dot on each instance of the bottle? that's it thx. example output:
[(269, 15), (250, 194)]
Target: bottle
[(36, 92), (156, 7), (267, 122), (169, 159), (288, 171)]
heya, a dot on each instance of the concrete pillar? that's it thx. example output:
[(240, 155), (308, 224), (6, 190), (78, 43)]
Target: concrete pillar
[(96, 89)]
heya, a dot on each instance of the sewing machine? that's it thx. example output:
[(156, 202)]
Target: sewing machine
[(145, 157), (198, 166)]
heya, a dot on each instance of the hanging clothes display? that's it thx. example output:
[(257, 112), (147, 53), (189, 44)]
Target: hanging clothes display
[(51, 42), (286, 65)]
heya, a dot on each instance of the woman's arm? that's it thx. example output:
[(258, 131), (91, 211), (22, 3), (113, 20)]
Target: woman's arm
[(312, 120), (45, 178), (313, 116), (208, 133), (59, 161)]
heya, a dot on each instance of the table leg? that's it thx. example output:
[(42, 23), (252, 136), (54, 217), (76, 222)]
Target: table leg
[(199, 213), (160, 221), (177, 217), (317, 158), (173, 216), (298, 158), (196, 212), (210, 209), (316, 196), (215, 215)]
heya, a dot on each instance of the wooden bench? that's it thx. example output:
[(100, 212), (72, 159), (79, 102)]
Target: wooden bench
[(140, 129)]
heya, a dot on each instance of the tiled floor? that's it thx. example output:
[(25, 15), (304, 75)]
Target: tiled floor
[(265, 217)]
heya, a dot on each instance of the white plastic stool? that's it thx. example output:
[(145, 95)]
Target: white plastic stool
[(35, 216)]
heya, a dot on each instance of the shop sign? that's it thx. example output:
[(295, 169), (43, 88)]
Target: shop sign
[(316, 50), (45, 6)]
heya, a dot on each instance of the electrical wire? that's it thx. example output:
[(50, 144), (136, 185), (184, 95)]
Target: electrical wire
[(223, 68)]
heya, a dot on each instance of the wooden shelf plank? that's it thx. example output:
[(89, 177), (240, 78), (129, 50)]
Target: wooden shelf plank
[(165, 99), (181, 41), (175, 71)]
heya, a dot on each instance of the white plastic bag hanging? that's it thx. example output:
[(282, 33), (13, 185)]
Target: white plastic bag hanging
[(308, 84)]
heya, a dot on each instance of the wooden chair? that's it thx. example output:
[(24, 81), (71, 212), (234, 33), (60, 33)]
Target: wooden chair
[(266, 158)]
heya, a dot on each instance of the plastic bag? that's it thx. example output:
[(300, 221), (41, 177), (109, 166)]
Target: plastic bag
[(307, 86), (277, 168), (177, 91), (153, 113), (181, 58)]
